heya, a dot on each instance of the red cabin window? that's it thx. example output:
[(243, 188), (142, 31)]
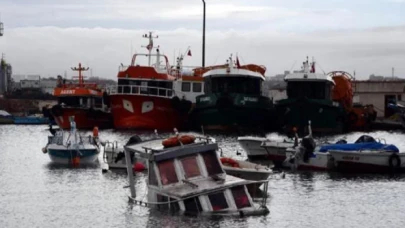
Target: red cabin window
[(240, 197), (167, 172), (212, 163), (218, 201), (190, 166)]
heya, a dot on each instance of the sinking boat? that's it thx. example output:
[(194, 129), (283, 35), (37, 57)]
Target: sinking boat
[(189, 178), (72, 148)]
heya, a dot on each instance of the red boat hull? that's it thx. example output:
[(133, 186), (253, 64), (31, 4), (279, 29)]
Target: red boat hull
[(145, 113), (84, 118)]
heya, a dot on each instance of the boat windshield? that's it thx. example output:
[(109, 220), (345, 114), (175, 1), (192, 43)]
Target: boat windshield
[(229, 84), (309, 89), (152, 87)]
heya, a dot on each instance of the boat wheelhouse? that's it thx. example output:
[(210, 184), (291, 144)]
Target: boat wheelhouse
[(234, 97), (153, 96), (310, 98), (189, 178), (87, 102)]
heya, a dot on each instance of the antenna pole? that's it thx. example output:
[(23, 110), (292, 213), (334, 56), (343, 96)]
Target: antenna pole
[(203, 36)]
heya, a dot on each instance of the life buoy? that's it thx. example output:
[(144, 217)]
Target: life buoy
[(394, 161), (230, 162), (175, 141)]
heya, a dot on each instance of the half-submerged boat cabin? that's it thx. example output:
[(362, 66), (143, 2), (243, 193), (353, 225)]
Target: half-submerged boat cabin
[(189, 178)]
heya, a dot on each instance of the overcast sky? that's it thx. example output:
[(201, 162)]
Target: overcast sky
[(47, 37)]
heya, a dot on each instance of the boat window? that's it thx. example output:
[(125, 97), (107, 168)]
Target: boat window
[(152, 175), (218, 201), (190, 166), (309, 89), (240, 197), (228, 84), (212, 163), (98, 102), (186, 86), (174, 205), (197, 87), (193, 205), (167, 172)]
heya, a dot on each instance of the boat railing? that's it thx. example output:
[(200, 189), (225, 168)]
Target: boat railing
[(141, 90)]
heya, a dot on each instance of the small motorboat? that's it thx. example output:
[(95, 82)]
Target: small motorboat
[(329, 156), (6, 118), (189, 178), (114, 155), (245, 170), (260, 147), (376, 157), (36, 119), (72, 148)]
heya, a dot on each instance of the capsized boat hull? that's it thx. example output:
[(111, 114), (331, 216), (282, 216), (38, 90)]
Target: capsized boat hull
[(61, 155), (145, 112), (367, 161), (84, 118)]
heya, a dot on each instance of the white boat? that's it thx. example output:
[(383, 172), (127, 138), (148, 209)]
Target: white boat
[(344, 156), (245, 170), (189, 178), (264, 148), (114, 155), (72, 148), (386, 159)]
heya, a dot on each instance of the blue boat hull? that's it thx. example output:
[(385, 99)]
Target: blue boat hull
[(65, 156), (30, 120)]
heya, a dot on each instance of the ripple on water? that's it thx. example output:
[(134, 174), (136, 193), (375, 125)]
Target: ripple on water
[(34, 193)]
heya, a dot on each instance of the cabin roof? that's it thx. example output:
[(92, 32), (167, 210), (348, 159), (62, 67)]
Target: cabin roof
[(234, 72), (156, 152), (301, 76), (204, 186)]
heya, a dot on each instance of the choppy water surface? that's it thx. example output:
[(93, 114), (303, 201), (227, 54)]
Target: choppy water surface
[(34, 193)]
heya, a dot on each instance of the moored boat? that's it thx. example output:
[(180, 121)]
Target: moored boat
[(86, 102), (6, 118), (385, 158), (309, 97), (189, 178), (31, 119), (153, 96), (72, 148), (234, 98), (245, 169)]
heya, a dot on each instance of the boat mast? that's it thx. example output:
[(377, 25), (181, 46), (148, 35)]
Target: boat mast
[(150, 45), (80, 69)]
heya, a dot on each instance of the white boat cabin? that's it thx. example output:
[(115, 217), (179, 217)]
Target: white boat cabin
[(190, 178), (234, 79), (307, 83)]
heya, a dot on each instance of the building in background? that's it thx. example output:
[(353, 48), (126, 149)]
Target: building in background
[(5, 76)]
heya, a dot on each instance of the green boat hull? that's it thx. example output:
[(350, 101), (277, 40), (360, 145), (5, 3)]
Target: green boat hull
[(234, 111), (326, 116)]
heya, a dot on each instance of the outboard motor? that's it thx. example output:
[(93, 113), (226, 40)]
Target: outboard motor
[(365, 139), (133, 140), (308, 144)]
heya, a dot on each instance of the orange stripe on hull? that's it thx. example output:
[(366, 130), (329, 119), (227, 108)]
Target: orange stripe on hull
[(83, 119), (145, 112)]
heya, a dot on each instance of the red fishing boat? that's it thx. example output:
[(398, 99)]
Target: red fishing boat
[(153, 96), (86, 102)]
